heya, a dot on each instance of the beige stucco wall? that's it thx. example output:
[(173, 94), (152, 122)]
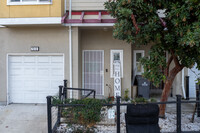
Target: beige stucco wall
[(56, 9), (19, 40), (99, 39)]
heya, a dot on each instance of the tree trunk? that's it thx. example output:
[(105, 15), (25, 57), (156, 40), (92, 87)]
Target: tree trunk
[(167, 88)]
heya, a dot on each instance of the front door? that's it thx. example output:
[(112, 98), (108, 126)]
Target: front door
[(93, 66)]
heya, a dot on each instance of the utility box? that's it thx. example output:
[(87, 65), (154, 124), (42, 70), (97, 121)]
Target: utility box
[(143, 86)]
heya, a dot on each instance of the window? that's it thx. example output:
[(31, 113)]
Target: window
[(28, 2), (138, 68), (116, 55)]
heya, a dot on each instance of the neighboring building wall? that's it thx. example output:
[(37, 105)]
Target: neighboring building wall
[(56, 9), (87, 4), (19, 40), (101, 39)]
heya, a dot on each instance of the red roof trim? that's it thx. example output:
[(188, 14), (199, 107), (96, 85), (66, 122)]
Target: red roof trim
[(82, 20)]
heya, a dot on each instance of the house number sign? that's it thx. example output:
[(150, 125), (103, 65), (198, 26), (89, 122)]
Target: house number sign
[(117, 79), (34, 48)]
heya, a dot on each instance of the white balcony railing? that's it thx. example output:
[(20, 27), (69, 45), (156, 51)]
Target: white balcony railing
[(87, 5)]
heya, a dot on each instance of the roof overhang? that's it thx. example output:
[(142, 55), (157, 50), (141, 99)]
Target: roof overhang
[(86, 18)]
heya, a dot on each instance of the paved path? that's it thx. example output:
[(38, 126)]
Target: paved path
[(23, 118)]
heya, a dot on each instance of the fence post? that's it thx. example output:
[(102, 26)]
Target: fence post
[(60, 91), (118, 113), (65, 90), (198, 98), (187, 87), (94, 94), (49, 114), (178, 113)]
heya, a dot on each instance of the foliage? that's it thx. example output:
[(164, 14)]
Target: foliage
[(181, 39), (87, 114), (126, 97), (139, 100)]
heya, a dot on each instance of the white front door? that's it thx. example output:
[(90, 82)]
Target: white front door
[(193, 74), (32, 78), (93, 74)]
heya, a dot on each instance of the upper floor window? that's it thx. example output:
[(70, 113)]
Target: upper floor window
[(28, 2)]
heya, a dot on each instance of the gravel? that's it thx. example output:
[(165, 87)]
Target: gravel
[(166, 125)]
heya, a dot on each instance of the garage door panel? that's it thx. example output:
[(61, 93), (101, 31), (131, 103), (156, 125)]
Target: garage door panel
[(16, 84), (56, 59), (29, 84), (29, 59), (44, 59), (16, 71), (44, 84), (32, 78), (16, 59), (54, 83), (56, 72), (29, 71), (43, 71), (17, 97)]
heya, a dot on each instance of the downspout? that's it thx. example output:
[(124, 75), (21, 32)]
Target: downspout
[(65, 6), (70, 60), (70, 50)]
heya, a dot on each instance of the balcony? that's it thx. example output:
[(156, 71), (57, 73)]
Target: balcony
[(80, 5)]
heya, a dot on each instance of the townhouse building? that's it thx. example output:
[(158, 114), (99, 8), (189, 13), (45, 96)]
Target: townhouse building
[(43, 42)]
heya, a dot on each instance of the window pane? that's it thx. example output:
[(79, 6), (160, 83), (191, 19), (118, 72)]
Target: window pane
[(138, 56), (116, 56), (139, 67)]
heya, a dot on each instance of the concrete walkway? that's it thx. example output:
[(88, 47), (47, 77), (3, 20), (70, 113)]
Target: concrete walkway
[(23, 118)]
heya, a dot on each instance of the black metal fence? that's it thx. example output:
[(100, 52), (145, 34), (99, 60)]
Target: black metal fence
[(52, 128)]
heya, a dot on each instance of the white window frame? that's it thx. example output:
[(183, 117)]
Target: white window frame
[(111, 62), (37, 2), (134, 61)]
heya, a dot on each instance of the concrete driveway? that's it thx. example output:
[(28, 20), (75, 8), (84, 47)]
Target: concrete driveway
[(23, 118)]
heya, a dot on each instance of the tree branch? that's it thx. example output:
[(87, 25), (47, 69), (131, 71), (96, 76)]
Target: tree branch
[(168, 64), (135, 23), (176, 61)]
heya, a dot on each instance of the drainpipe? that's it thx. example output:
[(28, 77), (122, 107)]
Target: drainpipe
[(70, 49), (70, 60)]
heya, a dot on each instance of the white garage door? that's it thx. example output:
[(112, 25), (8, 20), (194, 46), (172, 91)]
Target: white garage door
[(193, 73), (32, 78)]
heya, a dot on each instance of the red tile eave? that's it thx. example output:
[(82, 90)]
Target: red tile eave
[(82, 20)]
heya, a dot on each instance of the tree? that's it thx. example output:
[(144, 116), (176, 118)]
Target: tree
[(178, 33)]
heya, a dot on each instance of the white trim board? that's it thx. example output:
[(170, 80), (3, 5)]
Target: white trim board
[(30, 21)]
